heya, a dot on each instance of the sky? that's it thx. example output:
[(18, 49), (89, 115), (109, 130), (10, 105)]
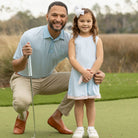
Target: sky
[(39, 7)]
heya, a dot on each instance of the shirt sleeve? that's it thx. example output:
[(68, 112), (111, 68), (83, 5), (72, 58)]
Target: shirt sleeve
[(18, 53)]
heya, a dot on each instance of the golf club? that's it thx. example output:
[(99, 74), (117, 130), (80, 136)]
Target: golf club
[(30, 75)]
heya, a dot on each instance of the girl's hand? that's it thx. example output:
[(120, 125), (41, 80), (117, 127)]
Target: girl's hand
[(87, 75)]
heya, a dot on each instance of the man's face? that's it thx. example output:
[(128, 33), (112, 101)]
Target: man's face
[(57, 17)]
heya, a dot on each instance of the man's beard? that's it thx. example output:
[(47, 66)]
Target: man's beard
[(52, 27)]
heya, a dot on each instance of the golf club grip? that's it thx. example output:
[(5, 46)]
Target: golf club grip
[(29, 66)]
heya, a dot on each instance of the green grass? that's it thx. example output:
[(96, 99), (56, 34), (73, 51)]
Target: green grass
[(120, 86), (115, 86), (114, 119)]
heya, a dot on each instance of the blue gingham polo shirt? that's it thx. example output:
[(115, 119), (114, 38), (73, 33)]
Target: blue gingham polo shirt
[(46, 51)]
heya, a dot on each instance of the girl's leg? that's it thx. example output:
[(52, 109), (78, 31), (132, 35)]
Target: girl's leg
[(79, 112), (79, 105), (90, 111)]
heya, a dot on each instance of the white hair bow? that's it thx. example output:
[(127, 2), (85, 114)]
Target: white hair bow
[(78, 11)]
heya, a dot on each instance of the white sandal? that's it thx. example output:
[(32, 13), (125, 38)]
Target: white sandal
[(92, 133), (79, 133)]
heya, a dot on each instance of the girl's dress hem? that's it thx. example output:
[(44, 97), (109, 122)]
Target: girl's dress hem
[(84, 97)]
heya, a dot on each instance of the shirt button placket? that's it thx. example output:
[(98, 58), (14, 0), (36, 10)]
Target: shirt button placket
[(51, 47)]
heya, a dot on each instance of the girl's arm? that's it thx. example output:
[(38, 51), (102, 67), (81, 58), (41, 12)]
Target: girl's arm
[(74, 62), (99, 57)]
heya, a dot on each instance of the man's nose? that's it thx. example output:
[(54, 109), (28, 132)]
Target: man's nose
[(58, 18)]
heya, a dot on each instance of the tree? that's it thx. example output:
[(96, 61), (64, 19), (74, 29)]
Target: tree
[(107, 9), (96, 8), (132, 5)]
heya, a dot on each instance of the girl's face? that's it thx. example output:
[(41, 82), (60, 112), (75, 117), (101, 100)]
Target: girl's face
[(85, 23)]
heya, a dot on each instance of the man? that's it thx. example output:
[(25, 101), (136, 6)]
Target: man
[(47, 45)]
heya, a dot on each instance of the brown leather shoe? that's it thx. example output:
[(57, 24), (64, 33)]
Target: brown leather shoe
[(61, 129), (19, 127)]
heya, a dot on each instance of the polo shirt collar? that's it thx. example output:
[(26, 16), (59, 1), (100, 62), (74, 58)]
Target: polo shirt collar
[(46, 34)]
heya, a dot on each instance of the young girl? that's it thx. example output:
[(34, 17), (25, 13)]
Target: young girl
[(86, 56)]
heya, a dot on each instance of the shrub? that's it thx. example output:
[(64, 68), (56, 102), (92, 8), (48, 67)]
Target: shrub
[(120, 55)]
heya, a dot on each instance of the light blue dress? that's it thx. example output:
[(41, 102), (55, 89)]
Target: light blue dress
[(86, 55)]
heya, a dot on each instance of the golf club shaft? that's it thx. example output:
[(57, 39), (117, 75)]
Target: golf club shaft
[(30, 75), (33, 106)]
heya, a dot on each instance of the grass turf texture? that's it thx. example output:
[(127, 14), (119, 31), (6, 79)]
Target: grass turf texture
[(114, 119), (115, 86)]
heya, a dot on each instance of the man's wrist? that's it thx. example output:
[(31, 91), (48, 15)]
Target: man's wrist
[(25, 57)]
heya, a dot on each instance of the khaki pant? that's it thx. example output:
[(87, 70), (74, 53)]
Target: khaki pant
[(53, 84)]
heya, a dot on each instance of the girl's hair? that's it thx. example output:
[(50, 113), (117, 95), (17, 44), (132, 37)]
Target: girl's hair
[(94, 29)]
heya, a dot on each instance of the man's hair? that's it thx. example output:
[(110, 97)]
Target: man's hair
[(58, 3)]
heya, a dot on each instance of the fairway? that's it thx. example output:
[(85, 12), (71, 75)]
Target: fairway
[(115, 119)]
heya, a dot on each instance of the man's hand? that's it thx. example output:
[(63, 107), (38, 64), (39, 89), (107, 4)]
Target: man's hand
[(20, 64), (99, 77), (27, 50)]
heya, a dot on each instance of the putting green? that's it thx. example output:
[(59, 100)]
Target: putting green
[(115, 119)]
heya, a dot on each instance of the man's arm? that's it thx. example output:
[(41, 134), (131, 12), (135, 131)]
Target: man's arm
[(20, 64)]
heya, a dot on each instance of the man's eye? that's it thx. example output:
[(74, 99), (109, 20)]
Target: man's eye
[(54, 15), (62, 16)]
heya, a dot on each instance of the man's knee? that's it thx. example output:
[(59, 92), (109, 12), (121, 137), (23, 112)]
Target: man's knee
[(21, 104)]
